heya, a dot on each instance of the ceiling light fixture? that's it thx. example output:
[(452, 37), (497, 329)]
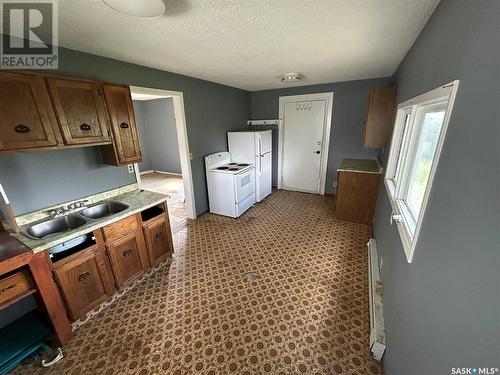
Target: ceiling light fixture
[(291, 77), (138, 8)]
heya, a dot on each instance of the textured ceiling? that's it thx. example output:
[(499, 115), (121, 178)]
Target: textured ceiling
[(250, 43)]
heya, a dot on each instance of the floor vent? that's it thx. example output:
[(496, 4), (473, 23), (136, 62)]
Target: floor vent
[(252, 276), (377, 330)]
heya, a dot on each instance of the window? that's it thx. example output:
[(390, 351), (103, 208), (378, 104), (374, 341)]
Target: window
[(418, 136)]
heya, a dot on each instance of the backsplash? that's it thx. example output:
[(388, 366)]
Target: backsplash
[(35, 180)]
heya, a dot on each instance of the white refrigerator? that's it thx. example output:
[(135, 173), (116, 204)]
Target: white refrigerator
[(253, 146)]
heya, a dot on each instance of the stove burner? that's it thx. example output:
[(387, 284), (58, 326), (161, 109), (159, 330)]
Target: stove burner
[(234, 169), (243, 165), (222, 168), (233, 163)]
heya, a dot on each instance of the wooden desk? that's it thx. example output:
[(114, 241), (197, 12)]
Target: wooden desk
[(15, 255)]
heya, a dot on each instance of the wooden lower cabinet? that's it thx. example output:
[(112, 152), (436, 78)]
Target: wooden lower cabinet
[(83, 282), (158, 240), (125, 255), (356, 196)]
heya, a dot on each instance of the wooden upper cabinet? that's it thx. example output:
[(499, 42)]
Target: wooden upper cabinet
[(80, 110), (126, 147), (379, 117), (27, 120)]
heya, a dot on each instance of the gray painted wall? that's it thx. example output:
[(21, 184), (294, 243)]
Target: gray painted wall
[(211, 110), (139, 110), (350, 102), (35, 180), (443, 309), (159, 135)]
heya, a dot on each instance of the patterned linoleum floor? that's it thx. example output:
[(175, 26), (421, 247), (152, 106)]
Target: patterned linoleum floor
[(305, 311)]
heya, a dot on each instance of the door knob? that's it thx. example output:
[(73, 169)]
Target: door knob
[(317, 152)]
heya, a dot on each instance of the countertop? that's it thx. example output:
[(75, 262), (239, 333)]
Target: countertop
[(137, 200), (360, 166), (10, 247)]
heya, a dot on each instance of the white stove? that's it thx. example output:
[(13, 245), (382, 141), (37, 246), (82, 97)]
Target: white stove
[(231, 185), (233, 167)]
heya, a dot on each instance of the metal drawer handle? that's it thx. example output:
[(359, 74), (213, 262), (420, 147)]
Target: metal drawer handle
[(83, 276), (7, 288), (124, 125), (127, 253), (20, 128), (85, 126)]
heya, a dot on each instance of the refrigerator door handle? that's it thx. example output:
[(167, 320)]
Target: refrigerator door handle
[(260, 145)]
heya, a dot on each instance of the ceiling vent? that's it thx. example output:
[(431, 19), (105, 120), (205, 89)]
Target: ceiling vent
[(291, 77), (138, 8)]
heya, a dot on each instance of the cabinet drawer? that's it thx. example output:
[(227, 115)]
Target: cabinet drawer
[(120, 228), (14, 285)]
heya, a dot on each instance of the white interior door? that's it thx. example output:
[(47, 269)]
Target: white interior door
[(303, 130)]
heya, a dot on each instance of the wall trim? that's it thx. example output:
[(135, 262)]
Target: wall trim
[(182, 139)]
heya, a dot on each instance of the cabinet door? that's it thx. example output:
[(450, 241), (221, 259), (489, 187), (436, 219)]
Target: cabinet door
[(125, 257), (80, 110), (125, 136), (26, 116), (356, 196), (379, 117), (158, 241), (81, 284)]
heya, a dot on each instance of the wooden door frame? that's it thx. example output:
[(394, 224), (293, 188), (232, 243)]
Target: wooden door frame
[(328, 97), (182, 139)]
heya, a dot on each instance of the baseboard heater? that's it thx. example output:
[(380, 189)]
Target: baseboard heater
[(377, 330)]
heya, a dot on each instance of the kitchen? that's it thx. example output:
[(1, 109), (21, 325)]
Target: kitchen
[(88, 257)]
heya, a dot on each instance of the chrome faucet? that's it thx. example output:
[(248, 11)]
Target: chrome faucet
[(72, 207)]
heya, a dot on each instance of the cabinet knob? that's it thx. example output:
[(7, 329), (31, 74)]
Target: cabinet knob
[(127, 253), (85, 126), (83, 276), (20, 128), (317, 152), (124, 125), (158, 235)]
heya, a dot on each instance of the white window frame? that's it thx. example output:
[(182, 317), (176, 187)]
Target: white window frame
[(405, 138)]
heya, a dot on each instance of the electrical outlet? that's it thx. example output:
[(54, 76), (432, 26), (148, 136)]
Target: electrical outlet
[(190, 156), (334, 183), (130, 168)]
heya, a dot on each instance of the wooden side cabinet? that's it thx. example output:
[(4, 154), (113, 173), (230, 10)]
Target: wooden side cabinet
[(82, 283), (126, 148), (379, 117), (27, 120), (158, 240), (357, 190), (80, 110)]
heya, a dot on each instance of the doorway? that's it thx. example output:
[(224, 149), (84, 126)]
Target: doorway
[(167, 168), (303, 141)]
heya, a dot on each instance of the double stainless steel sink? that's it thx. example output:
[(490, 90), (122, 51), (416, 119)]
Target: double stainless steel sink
[(47, 227)]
